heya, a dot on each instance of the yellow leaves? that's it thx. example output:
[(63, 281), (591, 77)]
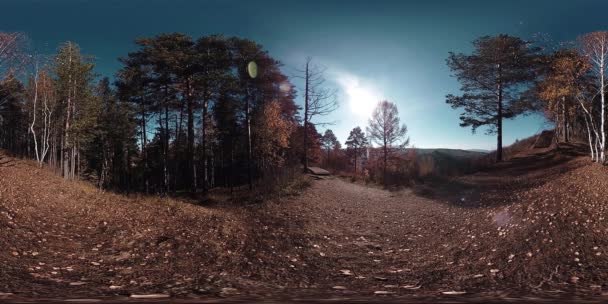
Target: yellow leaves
[(272, 132)]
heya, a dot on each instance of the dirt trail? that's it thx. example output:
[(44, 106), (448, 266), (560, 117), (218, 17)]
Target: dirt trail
[(375, 239), (533, 225)]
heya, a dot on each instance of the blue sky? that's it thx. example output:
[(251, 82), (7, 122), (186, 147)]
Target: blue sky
[(393, 50)]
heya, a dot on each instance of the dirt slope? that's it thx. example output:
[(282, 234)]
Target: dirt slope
[(535, 224), (68, 239)]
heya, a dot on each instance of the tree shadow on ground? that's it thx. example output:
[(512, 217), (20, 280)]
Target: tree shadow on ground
[(493, 186)]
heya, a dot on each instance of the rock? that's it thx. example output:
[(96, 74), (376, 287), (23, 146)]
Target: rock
[(574, 279), (380, 278), (411, 287), (123, 256), (114, 287), (339, 288), (346, 272), (317, 171), (373, 246), (150, 296), (77, 283), (228, 291), (453, 292), (383, 292)]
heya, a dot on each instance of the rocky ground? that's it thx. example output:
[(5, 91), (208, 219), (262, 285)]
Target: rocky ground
[(531, 227)]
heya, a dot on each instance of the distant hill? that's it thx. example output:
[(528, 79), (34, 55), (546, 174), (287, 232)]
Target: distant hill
[(442, 161), (458, 153), (480, 150)]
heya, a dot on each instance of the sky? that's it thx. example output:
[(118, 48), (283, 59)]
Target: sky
[(372, 50)]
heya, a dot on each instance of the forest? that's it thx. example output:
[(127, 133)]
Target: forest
[(178, 115), (187, 115)]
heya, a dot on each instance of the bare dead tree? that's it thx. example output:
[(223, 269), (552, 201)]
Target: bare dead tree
[(384, 128), (12, 55), (319, 100)]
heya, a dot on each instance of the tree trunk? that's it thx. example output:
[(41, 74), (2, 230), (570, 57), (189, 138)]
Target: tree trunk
[(62, 156), (166, 148), (356, 161), (144, 150), (204, 144), (190, 146), (176, 158), (589, 136), (66, 141), (499, 125), (306, 100), (602, 140), (66, 136), (249, 151), (385, 160), (163, 154), (34, 119), (565, 122)]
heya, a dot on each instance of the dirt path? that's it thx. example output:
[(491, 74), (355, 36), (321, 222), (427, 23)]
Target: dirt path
[(376, 240), (518, 228)]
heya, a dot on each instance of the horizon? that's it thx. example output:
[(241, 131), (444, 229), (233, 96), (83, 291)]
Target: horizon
[(412, 43)]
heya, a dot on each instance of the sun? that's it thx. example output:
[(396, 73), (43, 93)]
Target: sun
[(361, 98)]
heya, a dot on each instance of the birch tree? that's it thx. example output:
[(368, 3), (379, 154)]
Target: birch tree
[(47, 91), (34, 100), (567, 88), (594, 46)]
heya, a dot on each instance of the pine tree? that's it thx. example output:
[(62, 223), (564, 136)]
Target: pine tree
[(329, 142), (356, 143), (13, 118), (74, 76), (493, 79)]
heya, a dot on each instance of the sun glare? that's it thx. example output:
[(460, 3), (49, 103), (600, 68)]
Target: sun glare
[(361, 98)]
